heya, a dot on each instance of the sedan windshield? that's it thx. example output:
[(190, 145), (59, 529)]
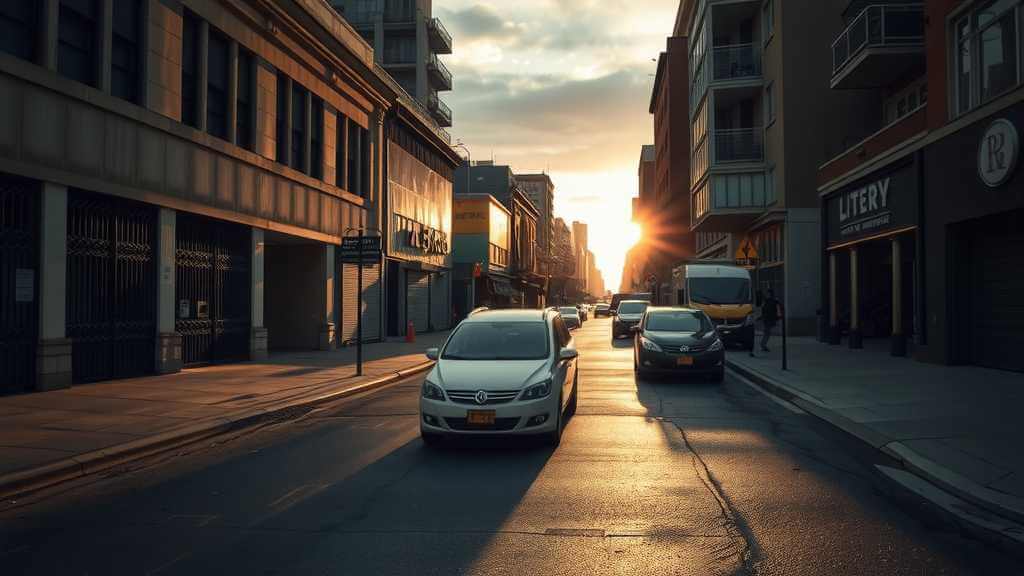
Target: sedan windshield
[(569, 311), (498, 341), (632, 307), (676, 322)]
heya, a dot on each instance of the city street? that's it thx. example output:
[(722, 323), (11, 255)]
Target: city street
[(665, 476)]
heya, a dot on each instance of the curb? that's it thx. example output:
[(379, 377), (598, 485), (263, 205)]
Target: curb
[(994, 514), (23, 482)]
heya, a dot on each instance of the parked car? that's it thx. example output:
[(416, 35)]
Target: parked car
[(629, 314), (678, 340), (571, 316), (584, 312), (623, 296), (601, 309), (501, 372)]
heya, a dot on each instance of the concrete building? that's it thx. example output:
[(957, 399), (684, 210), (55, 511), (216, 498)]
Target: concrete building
[(563, 284), (759, 108), (581, 254), (482, 254), (921, 198), (407, 41), (541, 191)]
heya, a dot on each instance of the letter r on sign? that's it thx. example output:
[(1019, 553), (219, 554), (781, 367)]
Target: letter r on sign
[(996, 155)]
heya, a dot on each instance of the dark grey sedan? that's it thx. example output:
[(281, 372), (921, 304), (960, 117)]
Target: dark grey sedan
[(678, 341)]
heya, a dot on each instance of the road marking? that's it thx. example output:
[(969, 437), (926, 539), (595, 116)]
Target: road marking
[(787, 405)]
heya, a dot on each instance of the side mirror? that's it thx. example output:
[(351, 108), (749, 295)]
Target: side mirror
[(568, 354), (432, 353), (612, 313), (636, 329)]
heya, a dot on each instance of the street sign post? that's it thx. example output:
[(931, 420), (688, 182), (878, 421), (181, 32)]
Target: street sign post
[(358, 250)]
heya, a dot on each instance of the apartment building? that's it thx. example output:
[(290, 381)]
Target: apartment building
[(922, 203), (541, 191), (758, 105), (407, 41)]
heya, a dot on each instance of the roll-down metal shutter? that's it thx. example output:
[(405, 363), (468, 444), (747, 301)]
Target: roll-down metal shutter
[(19, 281), (440, 306), (997, 284), (371, 302), (417, 296)]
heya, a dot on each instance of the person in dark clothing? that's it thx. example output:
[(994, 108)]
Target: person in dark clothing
[(770, 311)]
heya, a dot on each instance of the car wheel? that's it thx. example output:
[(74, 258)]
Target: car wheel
[(574, 399), (554, 438)]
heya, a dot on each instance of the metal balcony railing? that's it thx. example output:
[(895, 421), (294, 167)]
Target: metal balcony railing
[(444, 39), (879, 25), (739, 145), (435, 65), (736, 61), (442, 113)]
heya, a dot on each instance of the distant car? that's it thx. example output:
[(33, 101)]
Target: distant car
[(501, 372), (571, 316), (678, 340), (622, 297), (584, 312), (601, 309), (629, 314)]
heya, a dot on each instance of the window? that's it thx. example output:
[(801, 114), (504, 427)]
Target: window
[(217, 80), (352, 163), (769, 102), (19, 27), (190, 70), (341, 151), (298, 151), (498, 341), (769, 186), (987, 53), (364, 163), (677, 322), (316, 151), (282, 118), (768, 19), (244, 101), (124, 47), (77, 40)]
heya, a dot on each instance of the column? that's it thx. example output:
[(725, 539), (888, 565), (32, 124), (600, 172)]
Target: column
[(287, 122), (833, 301), (168, 341), (53, 353), (106, 43), (258, 336), (204, 73), (328, 336), (233, 93), (856, 338), (899, 339), (50, 13), (343, 175)]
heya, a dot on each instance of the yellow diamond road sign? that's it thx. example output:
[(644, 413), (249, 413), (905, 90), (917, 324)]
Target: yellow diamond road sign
[(746, 250)]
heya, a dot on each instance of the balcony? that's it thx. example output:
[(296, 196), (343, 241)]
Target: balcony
[(439, 74), (728, 202), (739, 145), (879, 46), (440, 39), (440, 111), (736, 62), (901, 132)]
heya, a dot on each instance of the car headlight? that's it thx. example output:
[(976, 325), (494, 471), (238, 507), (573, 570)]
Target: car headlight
[(649, 345), (536, 391), (432, 391), (716, 346)]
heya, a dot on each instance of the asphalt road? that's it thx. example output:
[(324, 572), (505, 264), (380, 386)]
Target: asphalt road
[(652, 477)]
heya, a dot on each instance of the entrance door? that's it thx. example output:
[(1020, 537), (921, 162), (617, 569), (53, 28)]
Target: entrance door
[(213, 289), (417, 299), (19, 279), (440, 295), (111, 286), (997, 287)]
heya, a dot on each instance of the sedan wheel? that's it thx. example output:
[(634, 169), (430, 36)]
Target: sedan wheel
[(554, 438)]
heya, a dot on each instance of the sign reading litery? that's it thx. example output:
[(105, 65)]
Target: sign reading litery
[(430, 240), (865, 209), (875, 205), (997, 153)]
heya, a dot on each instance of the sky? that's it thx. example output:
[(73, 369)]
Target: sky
[(561, 86)]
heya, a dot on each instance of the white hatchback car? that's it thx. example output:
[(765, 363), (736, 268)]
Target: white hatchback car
[(502, 372)]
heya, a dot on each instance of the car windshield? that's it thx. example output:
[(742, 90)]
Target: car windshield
[(498, 341), (602, 306), (569, 311), (720, 290), (632, 307), (676, 321)]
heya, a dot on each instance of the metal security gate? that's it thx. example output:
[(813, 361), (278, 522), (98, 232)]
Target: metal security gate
[(417, 299), (371, 302), (440, 308), (111, 286), (213, 289), (996, 286), (19, 274)]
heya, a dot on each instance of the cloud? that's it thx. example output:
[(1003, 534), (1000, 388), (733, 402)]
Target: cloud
[(478, 22)]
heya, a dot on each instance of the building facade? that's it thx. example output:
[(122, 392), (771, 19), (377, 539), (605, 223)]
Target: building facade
[(541, 191), (922, 209), (482, 254), (407, 41)]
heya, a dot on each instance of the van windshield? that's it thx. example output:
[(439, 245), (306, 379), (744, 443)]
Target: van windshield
[(720, 290)]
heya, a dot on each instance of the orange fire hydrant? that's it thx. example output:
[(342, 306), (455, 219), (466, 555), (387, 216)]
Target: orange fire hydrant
[(410, 332)]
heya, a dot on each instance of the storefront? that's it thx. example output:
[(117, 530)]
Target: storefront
[(483, 269), (871, 247)]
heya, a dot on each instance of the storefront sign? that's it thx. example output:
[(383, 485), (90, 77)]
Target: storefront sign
[(353, 252), (470, 216), (429, 240), (997, 152), (874, 206)]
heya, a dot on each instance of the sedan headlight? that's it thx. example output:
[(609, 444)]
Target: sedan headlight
[(716, 346), (432, 391), (649, 345), (537, 391)]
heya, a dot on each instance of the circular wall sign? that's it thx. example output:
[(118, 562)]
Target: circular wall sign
[(997, 152)]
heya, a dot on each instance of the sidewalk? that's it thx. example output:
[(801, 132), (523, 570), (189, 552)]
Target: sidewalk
[(956, 426), (48, 437)]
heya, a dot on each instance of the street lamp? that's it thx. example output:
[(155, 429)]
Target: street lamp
[(469, 164)]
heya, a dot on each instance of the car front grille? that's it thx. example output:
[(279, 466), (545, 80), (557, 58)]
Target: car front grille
[(690, 349), (495, 397), (500, 424)]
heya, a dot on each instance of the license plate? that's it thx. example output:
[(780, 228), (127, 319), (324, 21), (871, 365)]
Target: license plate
[(480, 417), (684, 361)]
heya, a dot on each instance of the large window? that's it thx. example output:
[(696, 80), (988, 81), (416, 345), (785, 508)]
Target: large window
[(364, 163), (988, 53), (768, 19), (316, 148), (352, 163), (298, 151), (341, 153), (217, 79), (78, 45), (282, 118), (190, 70), (19, 27), (244, 101), (125, 51)]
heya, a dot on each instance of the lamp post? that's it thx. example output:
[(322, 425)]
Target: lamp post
[(473, 273)]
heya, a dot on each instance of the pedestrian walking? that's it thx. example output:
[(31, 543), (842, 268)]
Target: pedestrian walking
[(770, 311)]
